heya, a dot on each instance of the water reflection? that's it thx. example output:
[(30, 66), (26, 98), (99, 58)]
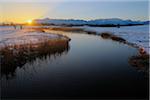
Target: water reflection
[(93, 68), (15, 57), (140, 63)]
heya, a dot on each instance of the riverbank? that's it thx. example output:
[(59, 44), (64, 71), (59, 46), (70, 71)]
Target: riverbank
[(12, 37), (90, 61), (17, 47), (143, 57), (34, 35), (136, 36)]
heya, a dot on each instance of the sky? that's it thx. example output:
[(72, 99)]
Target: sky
[(23, 10)]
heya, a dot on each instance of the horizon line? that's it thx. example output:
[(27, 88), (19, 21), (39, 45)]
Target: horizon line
[(74, 19)]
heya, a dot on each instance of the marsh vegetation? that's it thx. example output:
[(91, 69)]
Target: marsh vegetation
[(17, 55)]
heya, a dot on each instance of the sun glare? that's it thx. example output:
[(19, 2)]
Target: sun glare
[(29, 21)]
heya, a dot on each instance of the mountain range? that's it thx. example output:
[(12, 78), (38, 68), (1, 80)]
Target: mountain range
[(97, 22)]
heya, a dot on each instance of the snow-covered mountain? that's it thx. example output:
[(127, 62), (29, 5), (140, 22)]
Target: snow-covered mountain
[(60, 21), (112, 21), (147, 22)]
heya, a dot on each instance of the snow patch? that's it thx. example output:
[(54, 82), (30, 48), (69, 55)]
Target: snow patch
[(138, 35), (9, 36)]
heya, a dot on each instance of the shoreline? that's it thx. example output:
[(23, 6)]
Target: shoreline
[(45, 32), (26, 48), (111, 36), (28, 37), (18, 55), (140, 61)]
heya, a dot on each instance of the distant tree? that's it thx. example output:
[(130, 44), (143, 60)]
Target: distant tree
[(20, 26), (118, 25), (14, 26)]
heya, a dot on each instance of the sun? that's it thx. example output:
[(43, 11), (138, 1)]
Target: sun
[(29, 21)]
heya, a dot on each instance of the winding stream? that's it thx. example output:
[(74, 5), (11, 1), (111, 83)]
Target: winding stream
[(91, 68)]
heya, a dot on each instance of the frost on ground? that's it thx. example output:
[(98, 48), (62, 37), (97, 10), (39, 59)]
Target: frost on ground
[(10, 36), (138, 35)]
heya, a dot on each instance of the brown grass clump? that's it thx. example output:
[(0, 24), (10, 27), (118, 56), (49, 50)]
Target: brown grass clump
[(116, 38), (140, 60), (113, 37), (90, 32), (141, 63), (106, 35), (38, 29), (66, 29)]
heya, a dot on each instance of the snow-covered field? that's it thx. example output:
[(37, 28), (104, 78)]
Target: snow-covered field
[(10, 36), (138, 35)]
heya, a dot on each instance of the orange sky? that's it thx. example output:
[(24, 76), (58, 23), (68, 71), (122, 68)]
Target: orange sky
[(21, 12)]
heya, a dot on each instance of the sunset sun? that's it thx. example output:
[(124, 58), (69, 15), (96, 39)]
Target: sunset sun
[(29, 21)]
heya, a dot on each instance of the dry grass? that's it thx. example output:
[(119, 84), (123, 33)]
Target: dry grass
[(106, 35), (66, 29), (71, 29), (38, 29), (116, 38), (90, 32), (140, 60), (113, 37), (141, 63), (18, 55)]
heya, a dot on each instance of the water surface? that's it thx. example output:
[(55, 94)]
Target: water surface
[(91, 68)]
